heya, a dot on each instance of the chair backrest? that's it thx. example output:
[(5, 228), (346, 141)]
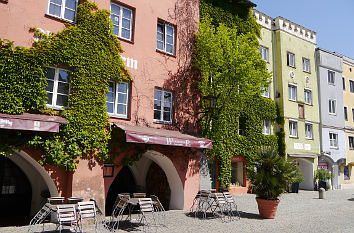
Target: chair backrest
[(86, 209), (98, 209), (156, 201), (204, 194), (220, 198), (74, 200), (55, 200), (66, 213), (123, 201), (229, 198), (146, 205), (139, 195)]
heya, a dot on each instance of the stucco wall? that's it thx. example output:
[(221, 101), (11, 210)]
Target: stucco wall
[(329, 62), (334, 153)]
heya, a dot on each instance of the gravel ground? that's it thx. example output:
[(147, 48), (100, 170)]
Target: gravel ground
[(302, 212)]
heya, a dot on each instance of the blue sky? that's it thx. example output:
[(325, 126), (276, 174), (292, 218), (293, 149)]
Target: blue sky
[(333, 21)]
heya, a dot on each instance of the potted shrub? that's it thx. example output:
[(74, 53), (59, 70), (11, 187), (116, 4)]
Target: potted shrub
[(299, 177), (321, 177), (270, 176)]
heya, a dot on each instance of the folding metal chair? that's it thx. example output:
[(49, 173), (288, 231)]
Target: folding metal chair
[(220, 204), (40, 217), (139, 195), (158, 208), (74, 200), (87, 210), (232, 205), (66, 216), (56, 200), (118, 210), (146, 209)]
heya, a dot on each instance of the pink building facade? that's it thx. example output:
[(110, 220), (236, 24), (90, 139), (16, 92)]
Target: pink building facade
[(158, 108)]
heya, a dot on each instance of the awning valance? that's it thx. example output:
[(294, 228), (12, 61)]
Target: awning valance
[(303, 156), (138, 134), (33, 122)]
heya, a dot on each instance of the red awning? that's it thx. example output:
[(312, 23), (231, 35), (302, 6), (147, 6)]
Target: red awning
[(139, 134), (34, 122)]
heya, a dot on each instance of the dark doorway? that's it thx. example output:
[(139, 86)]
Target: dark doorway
[(157, 184), (15, 194), (123, 183)]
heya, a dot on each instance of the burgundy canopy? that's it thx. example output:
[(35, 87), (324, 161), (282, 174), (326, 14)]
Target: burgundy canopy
[(34, 122), (139, 134)]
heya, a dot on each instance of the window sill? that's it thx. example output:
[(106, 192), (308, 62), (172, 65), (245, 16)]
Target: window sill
[(118, 116), (59, 19), (165, 53), (292, 100), (125, 40), (294, 137), (334, 148), (331, 84), (309, 104), (333, 114), (58, 108), (307, 72), (309, 138), (292, 66), (163, 122)]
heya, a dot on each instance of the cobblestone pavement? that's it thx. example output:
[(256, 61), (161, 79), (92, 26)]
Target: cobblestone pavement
[(302, 212)]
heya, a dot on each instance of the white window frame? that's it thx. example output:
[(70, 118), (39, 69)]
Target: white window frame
[(292, 86), (308, 92), (293, 128), (264, 53), (331, 77), (351, 144), (332, 106), (266, 92), (333, 140), (62, 10), (267, 127), (306, 65), (291, 59), (308, 130), (164, 42), (351, 86), (55, 89), (120, 24), (115, 100), (161, 120)]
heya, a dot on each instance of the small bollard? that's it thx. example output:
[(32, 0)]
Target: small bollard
[(321, 193)]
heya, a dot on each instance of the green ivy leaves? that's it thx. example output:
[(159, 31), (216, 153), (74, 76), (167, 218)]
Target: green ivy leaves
[(92, 53)]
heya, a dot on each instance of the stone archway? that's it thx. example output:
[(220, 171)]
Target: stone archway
[(174, 181), (306, 167)]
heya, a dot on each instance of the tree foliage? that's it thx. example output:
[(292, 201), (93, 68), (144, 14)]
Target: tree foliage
[(232, 70)]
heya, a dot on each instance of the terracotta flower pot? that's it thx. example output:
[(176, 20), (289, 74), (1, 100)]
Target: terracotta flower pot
[(267, 208)]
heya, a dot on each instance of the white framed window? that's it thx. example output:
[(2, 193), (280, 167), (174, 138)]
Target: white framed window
[(345, 113), (308, 130), (64, 9), (118, 99), (267, 127), (165, 37), (333, 140), (122, 18), (332, 106), (265, 92), (343, 83), (291, 59), (293, 128), (58, 87), (351, 142), (308, 96), (331, 77), (163, 106), (351, 86), (306, 66), (292, 92), (264, 53)]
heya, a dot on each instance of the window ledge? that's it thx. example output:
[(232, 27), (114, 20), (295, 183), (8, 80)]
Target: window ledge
[(163, 122), (165, 53), (58, 108), (308, 138), (292, 66), (294, 137), (295, 101), (118, 116), (59, 19), (333, 114), (334, 148), (125, 40), (308, 104), (308, 72)]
